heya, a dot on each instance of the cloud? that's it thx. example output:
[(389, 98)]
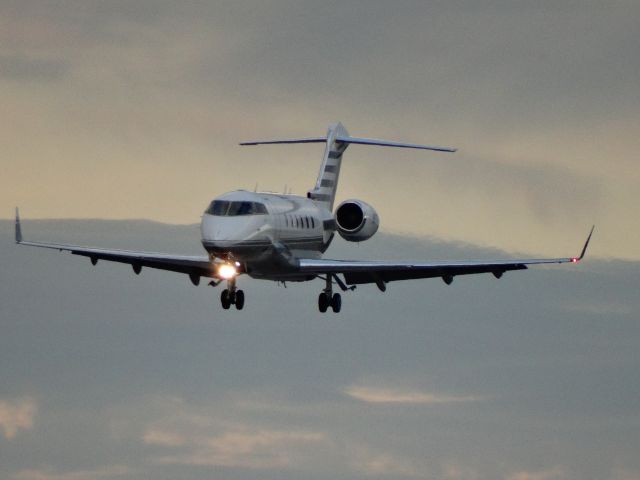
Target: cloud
[(163, 438), (190, 437), (459, 472), (624, 474), (17, 415), (556, 473), (364, 460), (97, 474), (256, 385), (387, 395), (241, 447)]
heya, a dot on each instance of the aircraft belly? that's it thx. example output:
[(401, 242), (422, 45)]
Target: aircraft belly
[(246, 250), (261, 250), (282, 277), (283, 267)]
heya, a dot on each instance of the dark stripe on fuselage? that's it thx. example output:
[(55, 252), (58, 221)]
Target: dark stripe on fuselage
[(321, 197)]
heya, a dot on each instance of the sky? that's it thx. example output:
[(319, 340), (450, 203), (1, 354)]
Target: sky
[(134, 109), (121, 120)]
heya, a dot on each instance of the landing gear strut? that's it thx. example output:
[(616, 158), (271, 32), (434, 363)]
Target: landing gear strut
[(232, 296), (328, 299)]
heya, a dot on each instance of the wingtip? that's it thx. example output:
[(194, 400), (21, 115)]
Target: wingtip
[(586, 244), (18, 227)]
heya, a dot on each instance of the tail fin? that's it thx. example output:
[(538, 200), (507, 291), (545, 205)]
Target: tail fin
[(324, 191), (337, 141)]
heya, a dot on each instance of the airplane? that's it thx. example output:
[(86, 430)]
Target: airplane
[(282, 237)]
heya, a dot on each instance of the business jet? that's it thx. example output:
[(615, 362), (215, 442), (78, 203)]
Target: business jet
[(282, 237)]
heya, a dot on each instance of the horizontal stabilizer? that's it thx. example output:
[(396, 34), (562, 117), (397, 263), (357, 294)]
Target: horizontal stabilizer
[(387, 143), (288, 140), (336, 142), (346, 139)]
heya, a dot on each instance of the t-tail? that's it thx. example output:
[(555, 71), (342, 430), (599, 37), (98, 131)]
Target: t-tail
[(337, 141), (324, 191)]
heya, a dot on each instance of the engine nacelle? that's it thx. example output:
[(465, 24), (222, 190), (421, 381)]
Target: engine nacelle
[(356, 220)]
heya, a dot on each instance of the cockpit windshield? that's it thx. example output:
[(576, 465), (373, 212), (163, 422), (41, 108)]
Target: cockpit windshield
[(223, 208)]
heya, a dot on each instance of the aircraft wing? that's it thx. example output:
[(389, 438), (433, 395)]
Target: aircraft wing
[(192, 265), (380, 273)]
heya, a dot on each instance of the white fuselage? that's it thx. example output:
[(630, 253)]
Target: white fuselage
[(265, 231)]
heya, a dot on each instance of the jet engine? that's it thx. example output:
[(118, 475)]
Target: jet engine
[(356, 220)]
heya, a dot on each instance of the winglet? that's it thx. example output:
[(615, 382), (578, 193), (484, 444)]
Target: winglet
[(18, 228), (584, 249)]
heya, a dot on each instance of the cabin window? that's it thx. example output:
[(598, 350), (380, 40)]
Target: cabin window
[(313, 223), (306, 220), (218, 207), (223, 208)]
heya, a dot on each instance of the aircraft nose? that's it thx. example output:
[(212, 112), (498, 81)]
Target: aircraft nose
[(227, 229), (219, 230)]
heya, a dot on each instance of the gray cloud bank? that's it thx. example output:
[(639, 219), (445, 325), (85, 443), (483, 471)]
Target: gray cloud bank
[(532, 376)]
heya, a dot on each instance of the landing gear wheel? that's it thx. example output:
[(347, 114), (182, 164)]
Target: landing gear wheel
[(239, 300), (225, 299), (336, 302), (323, 302)]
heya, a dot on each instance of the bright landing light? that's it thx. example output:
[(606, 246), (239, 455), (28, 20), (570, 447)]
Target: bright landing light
[(227, 271)]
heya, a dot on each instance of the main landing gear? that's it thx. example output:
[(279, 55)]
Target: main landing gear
[(232, 296), (328, 299)]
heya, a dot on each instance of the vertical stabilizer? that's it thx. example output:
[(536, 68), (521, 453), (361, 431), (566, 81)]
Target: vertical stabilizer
[(324, 192)]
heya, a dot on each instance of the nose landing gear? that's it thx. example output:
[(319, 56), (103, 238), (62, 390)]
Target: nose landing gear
[(232, 296)]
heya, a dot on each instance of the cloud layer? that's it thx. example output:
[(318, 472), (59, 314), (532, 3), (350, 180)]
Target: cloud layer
[(531, 375)]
